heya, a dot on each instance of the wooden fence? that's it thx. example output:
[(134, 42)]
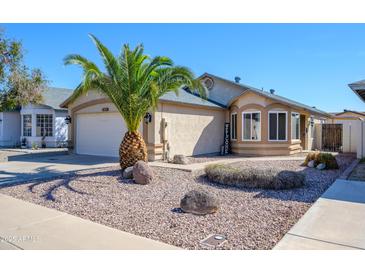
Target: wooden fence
[(332, 137)]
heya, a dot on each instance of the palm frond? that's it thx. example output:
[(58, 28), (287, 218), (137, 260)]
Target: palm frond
[(133, 81)]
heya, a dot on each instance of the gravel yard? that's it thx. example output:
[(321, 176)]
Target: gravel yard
[(214, 157), (208, 158), (251, 219)]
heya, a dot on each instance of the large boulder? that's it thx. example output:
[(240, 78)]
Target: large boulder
[(142, 173), (180, 159), (128, 173), (199, 203)]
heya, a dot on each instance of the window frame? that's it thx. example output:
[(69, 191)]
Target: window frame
[(23, 125), (243, 126), (277, 125), (44, 124), (234, 113), (291, 125)]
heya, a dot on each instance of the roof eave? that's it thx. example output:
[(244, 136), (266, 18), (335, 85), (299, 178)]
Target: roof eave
[(356, 88), (311, 110)]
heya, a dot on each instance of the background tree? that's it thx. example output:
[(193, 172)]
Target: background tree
[(133, 82), (19, 85)]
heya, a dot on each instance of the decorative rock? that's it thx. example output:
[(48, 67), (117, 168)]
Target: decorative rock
[(142, 173), (180, 159), (128, 173), (311, 163), (321, 166), (199, 203)]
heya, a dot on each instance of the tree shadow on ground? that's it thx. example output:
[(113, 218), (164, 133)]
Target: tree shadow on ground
[(62, 181)]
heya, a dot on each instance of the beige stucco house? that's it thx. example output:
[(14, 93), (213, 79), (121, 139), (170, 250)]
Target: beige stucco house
[(261, 123)]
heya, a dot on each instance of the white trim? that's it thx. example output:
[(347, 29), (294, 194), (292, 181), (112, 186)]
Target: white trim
[(259, 137), (277, 125), (234, 113), (291, 126)]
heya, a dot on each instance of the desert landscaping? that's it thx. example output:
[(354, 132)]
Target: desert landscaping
[(250, 218)]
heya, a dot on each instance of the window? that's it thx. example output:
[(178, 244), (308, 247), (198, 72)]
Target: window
[(27, 125), (44, 125), (251, 129), (295, 126), (234, 126), (277, 126)]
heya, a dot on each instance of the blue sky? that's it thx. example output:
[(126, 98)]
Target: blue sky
[(310, 63)]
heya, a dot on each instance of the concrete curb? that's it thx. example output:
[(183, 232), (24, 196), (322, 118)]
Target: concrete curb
[(349, 169)]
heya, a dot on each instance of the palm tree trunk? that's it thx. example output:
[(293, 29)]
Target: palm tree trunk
[(132, 149)]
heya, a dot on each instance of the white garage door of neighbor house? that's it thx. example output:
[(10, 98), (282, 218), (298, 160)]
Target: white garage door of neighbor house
[(99, 133)]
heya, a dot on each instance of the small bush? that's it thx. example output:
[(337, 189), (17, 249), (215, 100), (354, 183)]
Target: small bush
[(312, 156), (328, 159), (322, 158), (267, 178)]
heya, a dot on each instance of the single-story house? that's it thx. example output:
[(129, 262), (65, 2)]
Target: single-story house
[(347, 114), (261, 123), (35, 122)]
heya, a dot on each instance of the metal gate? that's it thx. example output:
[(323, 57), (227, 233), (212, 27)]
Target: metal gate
[(332, 137)]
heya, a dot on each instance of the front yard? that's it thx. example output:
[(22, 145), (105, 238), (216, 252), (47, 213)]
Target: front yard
[(249, 218)]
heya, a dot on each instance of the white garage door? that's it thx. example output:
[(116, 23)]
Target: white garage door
[(99, 133)]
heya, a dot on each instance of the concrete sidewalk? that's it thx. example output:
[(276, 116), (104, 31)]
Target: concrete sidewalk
[(335, 221), (50, 167), (196, 167), (25, 225)]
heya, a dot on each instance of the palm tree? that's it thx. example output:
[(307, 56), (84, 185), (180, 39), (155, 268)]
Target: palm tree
[(133, 82)]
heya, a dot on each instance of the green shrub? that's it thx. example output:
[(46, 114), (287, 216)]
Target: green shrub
[(321, 158), (328, 159), (267, 178)]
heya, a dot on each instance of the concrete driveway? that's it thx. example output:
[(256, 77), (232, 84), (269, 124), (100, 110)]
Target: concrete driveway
[(50, 166)]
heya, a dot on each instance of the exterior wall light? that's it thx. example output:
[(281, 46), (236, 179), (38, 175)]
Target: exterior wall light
[(68, 120), (148, 118)]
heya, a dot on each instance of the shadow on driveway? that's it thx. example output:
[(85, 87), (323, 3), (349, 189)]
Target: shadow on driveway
[(38, 168)]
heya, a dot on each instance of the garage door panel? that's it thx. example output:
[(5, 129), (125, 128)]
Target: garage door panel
[(99, 134)]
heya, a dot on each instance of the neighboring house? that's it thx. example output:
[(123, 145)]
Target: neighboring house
[(347, 114), (262, 123), (37, 122), (359, 89), (9, 128)]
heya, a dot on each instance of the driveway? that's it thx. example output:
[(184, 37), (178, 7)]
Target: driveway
[(50, 166)]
